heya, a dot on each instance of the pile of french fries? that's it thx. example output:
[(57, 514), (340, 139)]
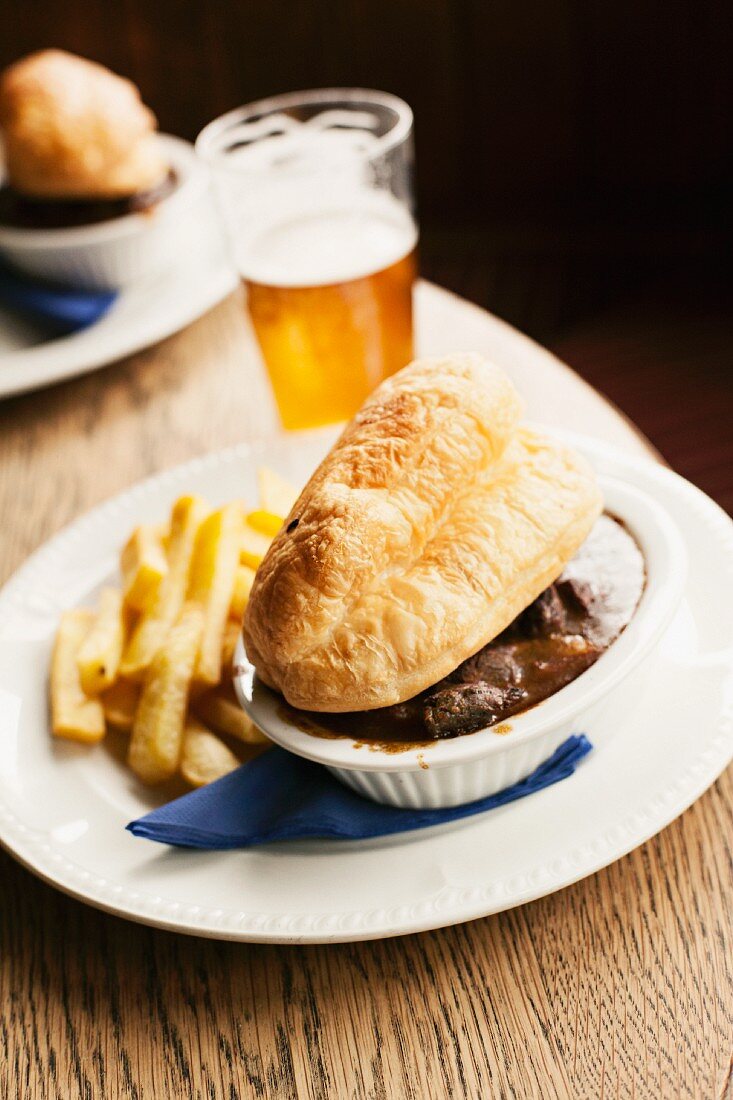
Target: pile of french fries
[(154, 658)]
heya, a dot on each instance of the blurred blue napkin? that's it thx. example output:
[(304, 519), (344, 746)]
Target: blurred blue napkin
[(279, 796), (61, 309)]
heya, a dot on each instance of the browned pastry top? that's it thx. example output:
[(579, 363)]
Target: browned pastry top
[(432, 523), (74, 130)]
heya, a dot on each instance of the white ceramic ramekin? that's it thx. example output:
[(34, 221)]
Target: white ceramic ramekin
[(463, 769), (114, 254)]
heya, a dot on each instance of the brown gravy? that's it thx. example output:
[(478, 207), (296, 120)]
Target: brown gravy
[(548, 645), (23, 212)]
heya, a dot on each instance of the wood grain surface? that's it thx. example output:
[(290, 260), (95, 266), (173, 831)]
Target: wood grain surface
[(619, 986)]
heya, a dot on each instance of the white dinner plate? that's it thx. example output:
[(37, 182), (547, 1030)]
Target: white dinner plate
[(141, 315), (63, 807)]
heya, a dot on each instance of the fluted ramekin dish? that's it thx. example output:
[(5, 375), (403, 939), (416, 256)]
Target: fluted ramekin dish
[(462, 769), (113, 254)]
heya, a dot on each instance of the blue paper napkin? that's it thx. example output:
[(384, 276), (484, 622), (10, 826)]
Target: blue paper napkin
[(279, 796), (61, 309)]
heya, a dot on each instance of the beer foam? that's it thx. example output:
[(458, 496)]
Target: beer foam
[(333, 245), (307, 207)]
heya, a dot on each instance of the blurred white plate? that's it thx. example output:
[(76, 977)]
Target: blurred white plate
[(142, 315), (63, 807)]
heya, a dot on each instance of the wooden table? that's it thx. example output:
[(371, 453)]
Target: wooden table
[(619, 986)]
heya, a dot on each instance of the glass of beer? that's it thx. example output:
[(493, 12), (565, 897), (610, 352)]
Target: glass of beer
[(316, 192)]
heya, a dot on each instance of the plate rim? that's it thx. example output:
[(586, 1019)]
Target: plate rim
[(60, 359), (450, 905)]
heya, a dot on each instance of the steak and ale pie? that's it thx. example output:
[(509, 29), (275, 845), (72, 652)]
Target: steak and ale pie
[(445, 567), (80, 146)]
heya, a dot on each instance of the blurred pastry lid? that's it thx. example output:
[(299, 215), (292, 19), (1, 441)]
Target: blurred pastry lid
[(73, 129)]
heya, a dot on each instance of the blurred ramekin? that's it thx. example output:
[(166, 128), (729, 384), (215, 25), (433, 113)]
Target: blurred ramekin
[(113, 254), (462, 769)]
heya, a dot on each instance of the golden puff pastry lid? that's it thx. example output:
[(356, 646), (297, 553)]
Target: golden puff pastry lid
[(74, 130), (432, 523)]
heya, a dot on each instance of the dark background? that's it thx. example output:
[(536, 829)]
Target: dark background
[(575, 160)]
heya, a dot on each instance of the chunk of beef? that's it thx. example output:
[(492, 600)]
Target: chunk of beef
[(544, 616), (495, 664), (577, 595), (465, 708)]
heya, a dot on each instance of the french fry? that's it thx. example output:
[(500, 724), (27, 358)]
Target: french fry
[(266, 522), (243, 579), (211, 584), (143, 565), (73, 714), (161, 532), (228, 645), (253, 547), (100, 652), (157, 731), (119, 703), (153, 625), (276, 494), (156, 658), (220, 710), (204, 756)]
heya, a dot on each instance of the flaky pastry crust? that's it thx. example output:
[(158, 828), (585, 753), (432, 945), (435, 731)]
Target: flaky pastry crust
[(430, 525), (74, 130)]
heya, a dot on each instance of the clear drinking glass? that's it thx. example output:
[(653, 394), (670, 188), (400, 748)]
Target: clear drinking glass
[(316, 192)]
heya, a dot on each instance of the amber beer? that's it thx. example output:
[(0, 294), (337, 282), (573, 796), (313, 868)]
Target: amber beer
[(327, 341), (315, 189)]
